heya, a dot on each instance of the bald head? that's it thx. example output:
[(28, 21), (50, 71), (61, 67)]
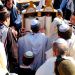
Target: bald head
[(60, 47)]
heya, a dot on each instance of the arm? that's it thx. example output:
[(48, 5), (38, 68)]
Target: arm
[(12, 49), (63, 3)]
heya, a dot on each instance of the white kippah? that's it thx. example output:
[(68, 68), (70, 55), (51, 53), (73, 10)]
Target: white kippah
[(64, 27), (34, 22), (57, 21), (29, 54), (61, 41)]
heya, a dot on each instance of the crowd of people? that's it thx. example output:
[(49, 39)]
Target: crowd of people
[(27, 55)]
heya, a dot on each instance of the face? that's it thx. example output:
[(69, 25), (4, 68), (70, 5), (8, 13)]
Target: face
[(72, 19), (9, 4)]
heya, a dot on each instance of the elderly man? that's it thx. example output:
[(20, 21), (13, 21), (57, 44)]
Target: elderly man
[(60, 51), (15, 17), (35, 42), (65, 32)]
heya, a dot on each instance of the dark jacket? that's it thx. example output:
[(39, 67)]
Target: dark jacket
[(57, 4), (10, 44)]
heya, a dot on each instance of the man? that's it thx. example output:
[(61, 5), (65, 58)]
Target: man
[(7, 37), (28, 59), (35, 42), (60, 48), (56, 22), (53, 31), (15, 17), (69, 6), (65, 32)]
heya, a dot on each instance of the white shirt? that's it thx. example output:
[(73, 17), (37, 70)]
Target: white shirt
[(71, 43), (47, 68)]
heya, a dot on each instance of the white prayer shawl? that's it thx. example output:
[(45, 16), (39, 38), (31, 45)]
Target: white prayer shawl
[(47, 68), (53, 29), (71, 43), (57, 21), (49, 53), (3, 60), (53, 35)]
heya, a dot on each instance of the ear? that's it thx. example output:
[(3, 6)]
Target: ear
[(55, 52), (55, 49)]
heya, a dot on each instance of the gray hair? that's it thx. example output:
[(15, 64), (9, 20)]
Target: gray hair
[(61, 45)]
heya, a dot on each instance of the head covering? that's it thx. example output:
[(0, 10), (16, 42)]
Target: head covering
[(29, 54), (59, 11), (64, 27), (34, 22), (61, 41)]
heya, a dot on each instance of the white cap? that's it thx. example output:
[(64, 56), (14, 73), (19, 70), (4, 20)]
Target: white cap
[(57, 21), (61, 40), (29, 54), (34, 22), (64, 27), (62, 43)]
